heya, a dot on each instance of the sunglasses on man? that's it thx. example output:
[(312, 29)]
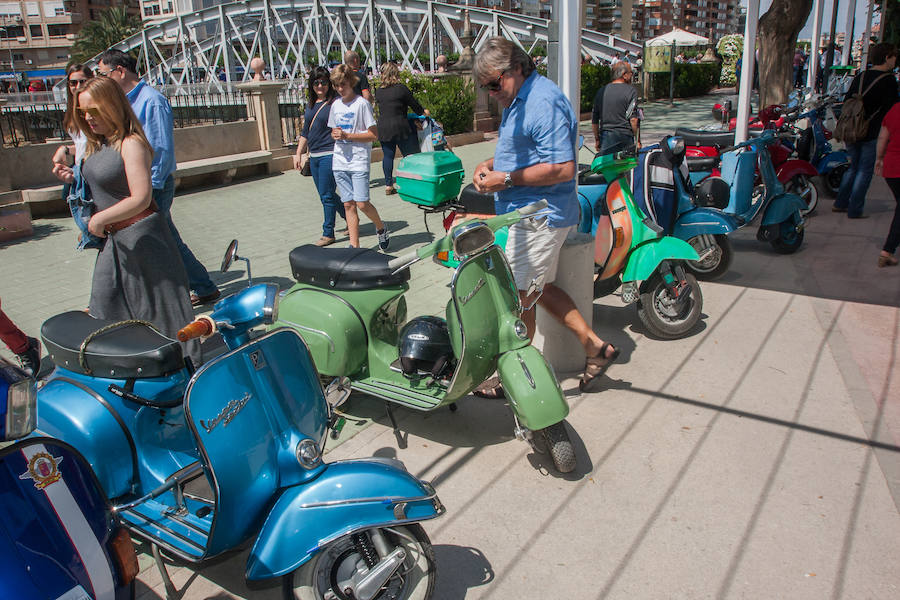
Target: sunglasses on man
[(494, 86)]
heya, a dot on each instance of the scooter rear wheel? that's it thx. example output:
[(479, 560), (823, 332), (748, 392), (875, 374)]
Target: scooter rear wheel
[(718, 261), (664, 316), (337, 562), (789, 239), (833, 178), (559, 446)]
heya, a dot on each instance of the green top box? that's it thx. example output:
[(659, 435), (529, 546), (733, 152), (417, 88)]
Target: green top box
[(429, 178)]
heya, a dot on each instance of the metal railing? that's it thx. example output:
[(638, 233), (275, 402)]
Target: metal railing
[(201, 107), (291, 106), (31, 124)]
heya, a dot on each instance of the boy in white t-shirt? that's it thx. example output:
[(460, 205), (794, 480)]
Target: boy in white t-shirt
[(353, 129)]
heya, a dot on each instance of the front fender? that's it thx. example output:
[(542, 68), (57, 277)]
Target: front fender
[(347, 497), (833, 160), (793, 167), (782, 208), (644, 259), (702, 221), (586, 214), (533, 391)]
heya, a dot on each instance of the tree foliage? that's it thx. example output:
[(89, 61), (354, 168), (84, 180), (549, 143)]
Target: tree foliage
[(778, 30), (113, 26)]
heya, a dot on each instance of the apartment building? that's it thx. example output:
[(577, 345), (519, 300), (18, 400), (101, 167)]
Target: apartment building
[(610, 16), (709, 18)]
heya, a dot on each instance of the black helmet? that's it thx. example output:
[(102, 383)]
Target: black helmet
[(425, 346)]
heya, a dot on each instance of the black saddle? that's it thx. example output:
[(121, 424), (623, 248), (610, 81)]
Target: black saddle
[(588, 178), (475, 202), (702, 163), (344, 268), (131, 351), (696, 137)]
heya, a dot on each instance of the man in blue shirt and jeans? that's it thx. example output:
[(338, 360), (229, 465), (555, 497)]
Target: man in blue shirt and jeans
[(155, 114), (535, 159)]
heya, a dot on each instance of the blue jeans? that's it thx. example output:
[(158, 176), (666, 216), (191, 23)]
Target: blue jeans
[(198, 278), (320, 166), (408, 146), (613, 141), (855, 184)]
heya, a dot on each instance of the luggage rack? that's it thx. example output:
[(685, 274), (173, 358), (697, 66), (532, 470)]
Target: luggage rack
[(440, 208)]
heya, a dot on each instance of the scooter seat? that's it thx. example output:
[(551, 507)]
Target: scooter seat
[(698, 137), (475, 202), (344, 268), (702, 163), (588, 178), (131, 351)]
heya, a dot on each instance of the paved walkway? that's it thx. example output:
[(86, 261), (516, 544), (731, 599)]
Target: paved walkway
[(756, 458)]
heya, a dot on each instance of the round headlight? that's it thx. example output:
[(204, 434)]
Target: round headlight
[(521, 330), (308, 454)]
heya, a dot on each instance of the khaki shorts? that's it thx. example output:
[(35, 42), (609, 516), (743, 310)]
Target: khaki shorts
[(532, 250)]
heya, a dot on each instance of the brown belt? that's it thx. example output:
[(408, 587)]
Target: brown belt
[(120, 225)]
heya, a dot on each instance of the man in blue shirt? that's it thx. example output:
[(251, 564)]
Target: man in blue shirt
[(535, 159), (155, 114)]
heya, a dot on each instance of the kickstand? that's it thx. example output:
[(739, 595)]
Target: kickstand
[(401, 440), (171, 592)]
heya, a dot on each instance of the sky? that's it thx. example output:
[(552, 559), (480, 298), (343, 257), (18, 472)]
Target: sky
[(806, 32)]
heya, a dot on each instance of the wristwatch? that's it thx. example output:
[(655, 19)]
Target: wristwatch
[(507, 181)]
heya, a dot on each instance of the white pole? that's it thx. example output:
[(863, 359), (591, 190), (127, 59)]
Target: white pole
[(747, 64), (848, 32), (867, 32), (568, 18), (813, 60)]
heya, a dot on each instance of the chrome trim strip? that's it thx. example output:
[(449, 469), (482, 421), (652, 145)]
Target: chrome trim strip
[(169, 530), (188, 524), (305, 328), (375, 499)]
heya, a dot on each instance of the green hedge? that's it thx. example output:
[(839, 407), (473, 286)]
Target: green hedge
[(451, 99), (592, 78), (691, 79)]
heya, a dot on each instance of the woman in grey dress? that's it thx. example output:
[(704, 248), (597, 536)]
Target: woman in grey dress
[(139, 273)]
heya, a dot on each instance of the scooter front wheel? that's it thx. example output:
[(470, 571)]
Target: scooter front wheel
[(666, 316), (329, 573), (559, 446), (804, 187), (789, 238)]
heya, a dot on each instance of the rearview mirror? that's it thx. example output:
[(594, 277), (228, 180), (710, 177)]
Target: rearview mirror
[(230, 256)]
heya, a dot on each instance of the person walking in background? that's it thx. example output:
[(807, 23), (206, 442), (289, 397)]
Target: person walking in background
[(27, 349), (394, 128), (361, 87), (353, 130), (316, 146), (155, 115), (534, 159), (138, 273), (878, 100), (614, 118), (887, 165), (76, 76)]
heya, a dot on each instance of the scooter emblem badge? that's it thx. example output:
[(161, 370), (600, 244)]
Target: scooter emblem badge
[(43, 468)]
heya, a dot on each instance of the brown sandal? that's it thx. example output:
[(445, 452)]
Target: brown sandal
[(490, 389), (596, 366)]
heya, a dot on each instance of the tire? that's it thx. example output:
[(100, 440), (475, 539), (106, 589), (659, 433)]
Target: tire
[(833, 178), (559, 446), (661, 316), (320, 573), (804, 187), (716, 263), (789, 239)]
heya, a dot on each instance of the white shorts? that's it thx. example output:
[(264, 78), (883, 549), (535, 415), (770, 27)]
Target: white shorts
[(532, 250), (353, 186)]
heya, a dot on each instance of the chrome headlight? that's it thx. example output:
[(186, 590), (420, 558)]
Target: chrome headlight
[(21, 404), (308, 454), (470, 238), (521, 330)]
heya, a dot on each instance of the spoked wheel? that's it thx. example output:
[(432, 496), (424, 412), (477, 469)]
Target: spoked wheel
[(556, 438), (833, 179), (328, 574), (663, 314), (804, 187), (789, 238), (718, 260)]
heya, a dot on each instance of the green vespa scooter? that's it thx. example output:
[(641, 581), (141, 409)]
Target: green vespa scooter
[(349, 307)]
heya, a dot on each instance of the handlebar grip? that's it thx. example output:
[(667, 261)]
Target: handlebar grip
[(402, 261), (533, 208), (199, 328)]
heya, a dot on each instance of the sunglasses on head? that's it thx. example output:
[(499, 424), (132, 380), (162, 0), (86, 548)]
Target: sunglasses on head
[(494, 86), (94, 112)]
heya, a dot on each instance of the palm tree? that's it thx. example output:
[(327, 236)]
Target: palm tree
[(113, 26)]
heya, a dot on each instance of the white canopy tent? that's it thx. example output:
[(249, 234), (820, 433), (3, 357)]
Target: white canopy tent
[(679, 37)]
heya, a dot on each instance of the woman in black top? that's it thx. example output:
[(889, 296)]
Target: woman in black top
[(316, 137), (394, 129)]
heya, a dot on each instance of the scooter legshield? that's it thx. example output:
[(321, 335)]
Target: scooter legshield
[(783, 208), (347, 497), (533, 391), (645, 259), (702, 221)]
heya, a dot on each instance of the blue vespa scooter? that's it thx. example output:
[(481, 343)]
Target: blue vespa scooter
[(202, 463), (59, 537), (814, 146)]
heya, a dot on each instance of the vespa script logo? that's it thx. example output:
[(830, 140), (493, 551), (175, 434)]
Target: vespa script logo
[(227, 414), (465, 299)]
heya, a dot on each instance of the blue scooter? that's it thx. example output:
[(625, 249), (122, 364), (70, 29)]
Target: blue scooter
[(814, 146), (200, 463), (59, 537)]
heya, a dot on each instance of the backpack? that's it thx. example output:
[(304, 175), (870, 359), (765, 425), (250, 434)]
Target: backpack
[(853, 125)]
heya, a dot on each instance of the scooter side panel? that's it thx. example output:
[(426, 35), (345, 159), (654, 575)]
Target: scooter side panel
[(782, 208), (702, 221), (532, 389), (347, 497), (334, 332), (833, 161), (645, 259), (793, 167)]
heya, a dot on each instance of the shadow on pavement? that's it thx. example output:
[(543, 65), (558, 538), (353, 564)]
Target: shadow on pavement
[(460, 568)]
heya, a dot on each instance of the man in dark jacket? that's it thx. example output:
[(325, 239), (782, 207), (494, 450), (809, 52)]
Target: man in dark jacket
[(614, 117), (877, 101)]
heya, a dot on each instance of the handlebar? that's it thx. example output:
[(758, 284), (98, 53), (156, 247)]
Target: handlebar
[(532, 208), (202, 327)]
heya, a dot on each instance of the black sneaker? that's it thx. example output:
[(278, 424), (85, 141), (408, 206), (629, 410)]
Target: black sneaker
[(31, 358), (384, 239)]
